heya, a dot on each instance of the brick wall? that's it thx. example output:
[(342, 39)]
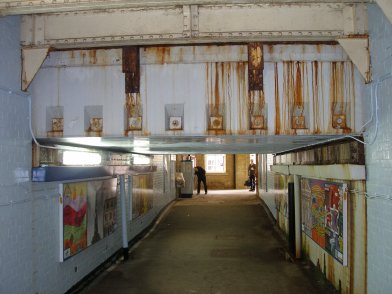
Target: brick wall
[(241, 170), (378, 157), (234, 177), (219, 181)]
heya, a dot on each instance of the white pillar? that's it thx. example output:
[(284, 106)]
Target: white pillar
[(124, 218), (130, 197)]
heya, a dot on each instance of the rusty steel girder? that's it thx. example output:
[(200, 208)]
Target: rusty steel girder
[(195, 24), (54, 6), (224, 22)]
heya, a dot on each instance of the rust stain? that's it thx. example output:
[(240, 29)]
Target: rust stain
[(242, 98), (270, 49), (357, 220), (181, 55), (255, 66), (331, 269), (288, 96), (72, 54), (353, 94), (90, 133), (277, 101), (162, 54), (318, 48), (298, 98), (93, 56), (131, 68), (238, 78), (228, 99), (337, 97), (216, 91), (315, 97)]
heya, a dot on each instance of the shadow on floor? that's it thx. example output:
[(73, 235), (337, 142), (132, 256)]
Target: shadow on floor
[(222, 243)]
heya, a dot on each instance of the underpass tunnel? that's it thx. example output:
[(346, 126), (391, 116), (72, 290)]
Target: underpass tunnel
[(150, 114), (128, 129)]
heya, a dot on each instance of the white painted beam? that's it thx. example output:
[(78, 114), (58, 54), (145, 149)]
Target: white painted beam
[(194, 24), (386, 6), (32, 59), (348, 172), (50, 6), (358, 51)]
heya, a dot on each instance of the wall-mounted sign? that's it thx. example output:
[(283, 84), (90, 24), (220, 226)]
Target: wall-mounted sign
[(87, 214), (324, 215)]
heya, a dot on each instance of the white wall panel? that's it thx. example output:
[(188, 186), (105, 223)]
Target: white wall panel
[(185, 75)]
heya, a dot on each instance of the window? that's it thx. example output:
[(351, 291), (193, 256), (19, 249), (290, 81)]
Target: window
[(252, 157), (215, 163)]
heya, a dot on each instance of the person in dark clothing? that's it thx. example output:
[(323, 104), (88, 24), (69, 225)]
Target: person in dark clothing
[(201, 177), (252, 175)]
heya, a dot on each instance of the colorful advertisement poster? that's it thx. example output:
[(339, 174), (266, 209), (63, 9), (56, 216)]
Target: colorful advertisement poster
[(74, 218), (87, 214), (324, 215), (102, 204), (142, 194)]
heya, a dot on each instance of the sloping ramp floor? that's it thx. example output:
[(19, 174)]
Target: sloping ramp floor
[(220, 243)]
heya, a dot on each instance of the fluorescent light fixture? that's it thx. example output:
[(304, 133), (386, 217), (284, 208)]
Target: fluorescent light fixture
[(141, 159), (81, 158)]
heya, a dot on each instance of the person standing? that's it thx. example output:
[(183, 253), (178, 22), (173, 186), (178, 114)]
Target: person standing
[(201, 177), (252, 175)]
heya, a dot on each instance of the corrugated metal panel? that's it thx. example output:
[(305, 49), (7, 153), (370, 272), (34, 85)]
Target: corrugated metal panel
[(209, 81)]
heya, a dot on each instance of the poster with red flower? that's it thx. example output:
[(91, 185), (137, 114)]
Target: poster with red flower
[(74, 218)]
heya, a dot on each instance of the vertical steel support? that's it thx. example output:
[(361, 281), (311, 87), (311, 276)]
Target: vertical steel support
[(255, 66), (265, 168), (297, 208), (130, 195), (131, 68), (124, 218), (291, 215)]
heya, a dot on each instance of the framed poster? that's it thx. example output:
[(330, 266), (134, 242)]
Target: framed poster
[(142, 194), (87, 214), (324, 215)]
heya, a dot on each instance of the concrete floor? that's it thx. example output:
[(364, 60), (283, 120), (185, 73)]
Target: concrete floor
[(219, 243)]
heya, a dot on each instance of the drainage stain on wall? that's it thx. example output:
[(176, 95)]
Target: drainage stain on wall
[(306, 106), (250, 89)]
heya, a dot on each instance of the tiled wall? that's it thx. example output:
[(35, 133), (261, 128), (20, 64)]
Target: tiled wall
[(10, 52), (52, 276), (378, 157), (29, 212), (16, 250)]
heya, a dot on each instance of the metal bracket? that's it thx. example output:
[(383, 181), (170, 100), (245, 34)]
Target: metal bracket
[(358, 51), (32, 59)]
